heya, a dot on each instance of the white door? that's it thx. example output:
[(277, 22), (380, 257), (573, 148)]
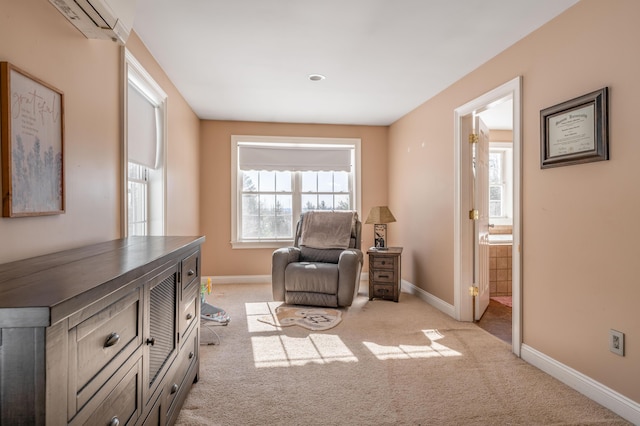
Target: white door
[(480, 151)]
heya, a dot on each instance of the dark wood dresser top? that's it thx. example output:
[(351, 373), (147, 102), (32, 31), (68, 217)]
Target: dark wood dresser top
[(46, 289)]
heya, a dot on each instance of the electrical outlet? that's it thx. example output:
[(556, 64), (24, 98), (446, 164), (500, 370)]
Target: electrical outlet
[(616, 342)]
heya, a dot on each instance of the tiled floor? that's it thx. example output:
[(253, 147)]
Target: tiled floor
[(497, 320)]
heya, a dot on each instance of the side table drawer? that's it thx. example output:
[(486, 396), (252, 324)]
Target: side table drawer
[(383, 291), (384, 262), (384, 273), (384, 276)]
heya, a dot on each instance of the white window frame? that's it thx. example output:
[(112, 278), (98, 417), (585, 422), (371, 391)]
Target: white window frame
[(142, 182), (135, 74), (236, 181), (506, 150)]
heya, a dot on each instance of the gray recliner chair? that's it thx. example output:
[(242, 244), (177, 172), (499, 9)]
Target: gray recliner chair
[(310, 274)]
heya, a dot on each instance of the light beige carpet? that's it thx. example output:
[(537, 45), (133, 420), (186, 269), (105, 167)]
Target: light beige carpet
[(386, 363)]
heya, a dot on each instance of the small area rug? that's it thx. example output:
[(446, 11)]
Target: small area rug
[(505, 300), (316, 319)]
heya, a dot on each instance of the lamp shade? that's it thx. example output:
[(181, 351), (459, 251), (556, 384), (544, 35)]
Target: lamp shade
[(380, 214)]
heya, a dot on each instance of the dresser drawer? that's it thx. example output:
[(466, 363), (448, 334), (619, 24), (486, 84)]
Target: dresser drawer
[(154, 416), (190, 271), (118, 402), (186, 360), (189, 314), (384, 276), (99, 344)]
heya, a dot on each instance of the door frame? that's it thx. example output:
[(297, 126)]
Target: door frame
[(463, 236)]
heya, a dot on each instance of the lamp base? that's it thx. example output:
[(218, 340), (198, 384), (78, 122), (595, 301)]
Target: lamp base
[(380, 235)]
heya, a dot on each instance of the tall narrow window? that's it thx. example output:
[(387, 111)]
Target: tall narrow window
[(138, 190), (500, 182), (496, 184), (144, 155), (277, 178)]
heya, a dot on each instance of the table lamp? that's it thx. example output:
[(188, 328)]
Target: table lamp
[(379, 216)]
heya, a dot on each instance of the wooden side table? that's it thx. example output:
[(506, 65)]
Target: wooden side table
[(384, 273)]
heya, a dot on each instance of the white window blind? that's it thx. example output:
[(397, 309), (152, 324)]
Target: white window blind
[(142, 122), (292, 158)]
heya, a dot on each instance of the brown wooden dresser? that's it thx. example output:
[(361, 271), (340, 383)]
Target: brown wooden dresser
[(385, 273), (103, 334)]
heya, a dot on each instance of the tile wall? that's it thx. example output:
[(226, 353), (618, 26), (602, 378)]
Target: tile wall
[(500, 269)]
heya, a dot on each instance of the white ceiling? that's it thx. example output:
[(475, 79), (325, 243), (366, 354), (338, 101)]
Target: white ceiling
[(249, 60)]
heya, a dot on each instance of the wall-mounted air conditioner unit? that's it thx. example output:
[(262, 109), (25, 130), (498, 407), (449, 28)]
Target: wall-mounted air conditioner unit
[(101, 19)]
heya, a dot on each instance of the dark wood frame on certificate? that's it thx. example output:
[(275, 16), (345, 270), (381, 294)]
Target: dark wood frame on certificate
[(576, 131), (32, 144)]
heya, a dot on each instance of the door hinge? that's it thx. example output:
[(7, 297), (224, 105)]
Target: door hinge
[(473, 291), (473, 138), (474, 214)]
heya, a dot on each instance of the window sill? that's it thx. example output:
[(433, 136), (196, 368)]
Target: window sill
[(261, 244)]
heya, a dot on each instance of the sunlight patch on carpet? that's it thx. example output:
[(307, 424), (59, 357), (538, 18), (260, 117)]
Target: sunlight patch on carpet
[(285, 351), (411, 351)]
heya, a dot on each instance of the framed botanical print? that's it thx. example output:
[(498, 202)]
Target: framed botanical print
[(32, 141)]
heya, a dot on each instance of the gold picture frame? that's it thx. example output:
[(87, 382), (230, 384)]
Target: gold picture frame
[(32, 144)]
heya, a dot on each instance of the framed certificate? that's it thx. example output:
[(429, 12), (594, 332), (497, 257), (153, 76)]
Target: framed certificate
[(575, 131)]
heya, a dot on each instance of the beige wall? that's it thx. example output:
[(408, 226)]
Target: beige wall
[(579, 228), (219, 259), (501, 135), (37, 38)]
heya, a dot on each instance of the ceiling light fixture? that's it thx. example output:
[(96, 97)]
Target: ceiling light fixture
[(316, 77)]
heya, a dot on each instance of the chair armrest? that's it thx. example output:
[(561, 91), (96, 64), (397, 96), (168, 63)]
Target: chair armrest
[(349, 267), (279, 261)]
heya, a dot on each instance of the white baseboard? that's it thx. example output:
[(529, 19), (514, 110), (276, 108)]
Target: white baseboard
[(432, 300), (406, 287), (619, 404), (238, 279), (252, 279)]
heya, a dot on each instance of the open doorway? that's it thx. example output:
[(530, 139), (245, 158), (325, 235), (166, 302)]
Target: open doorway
[(497, 318), (502, 203)]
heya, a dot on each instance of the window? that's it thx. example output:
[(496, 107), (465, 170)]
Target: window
[(277, 178), (500, 182), (138, 190), (145, 111)]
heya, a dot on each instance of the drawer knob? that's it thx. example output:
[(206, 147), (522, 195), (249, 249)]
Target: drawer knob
[(191, 354), (114, 421), (191, 272), (189, 316), (151, 341), (174, 388), (112, 340), (384, 276)]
